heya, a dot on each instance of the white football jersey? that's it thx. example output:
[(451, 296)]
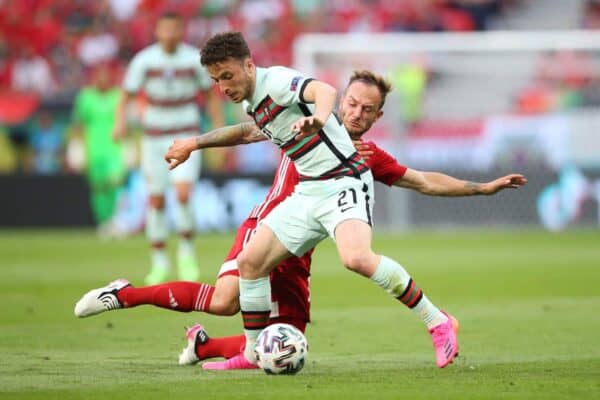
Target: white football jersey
[(171, 83), (277, 103)]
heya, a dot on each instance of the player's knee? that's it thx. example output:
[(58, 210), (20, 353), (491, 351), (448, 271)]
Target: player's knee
[(252, 265), (224, 306), (359, 263), (245, 263), (183, 196), (157, 202)]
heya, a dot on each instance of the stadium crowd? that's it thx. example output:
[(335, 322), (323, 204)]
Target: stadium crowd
[(51, 51), (48, 56)]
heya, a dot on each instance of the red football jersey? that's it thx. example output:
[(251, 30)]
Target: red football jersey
[(384, 167), (283, 185)]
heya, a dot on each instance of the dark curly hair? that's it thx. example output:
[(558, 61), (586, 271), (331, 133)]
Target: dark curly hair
[(223, 46)]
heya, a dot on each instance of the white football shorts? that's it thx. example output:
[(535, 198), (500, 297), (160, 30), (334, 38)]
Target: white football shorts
[(156, 170), (316, 208)]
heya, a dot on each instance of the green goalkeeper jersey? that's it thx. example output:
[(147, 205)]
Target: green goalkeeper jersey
[(95, 111)]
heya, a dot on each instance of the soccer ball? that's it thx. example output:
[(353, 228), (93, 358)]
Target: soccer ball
[(281, 349)]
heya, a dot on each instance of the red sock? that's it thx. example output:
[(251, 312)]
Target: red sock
[(226, 347), (180, 296)]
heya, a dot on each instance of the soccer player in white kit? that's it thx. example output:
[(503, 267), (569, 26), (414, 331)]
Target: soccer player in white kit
[(171, 76), (333, 198)]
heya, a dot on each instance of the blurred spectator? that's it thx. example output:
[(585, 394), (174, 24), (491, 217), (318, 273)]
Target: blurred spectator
[(69, 73), (47, 30), (4, 64), (478, 11), (31, 73), (49, 47), (98, 46), (560, 78), (123, 9), (410, 80), (77, 19), (63, 31), (47, 145), (566, 68), (591, 15), (18, 135), (141, 29)]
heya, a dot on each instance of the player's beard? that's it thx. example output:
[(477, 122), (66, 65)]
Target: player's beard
[(355, 130)]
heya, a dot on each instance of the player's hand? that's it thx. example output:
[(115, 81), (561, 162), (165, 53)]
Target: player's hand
[(512, 181), (180, 151), (306, 126), (119, 131), (363, 149)]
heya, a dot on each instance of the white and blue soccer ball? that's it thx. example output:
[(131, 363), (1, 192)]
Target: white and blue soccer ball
[(281, 349)]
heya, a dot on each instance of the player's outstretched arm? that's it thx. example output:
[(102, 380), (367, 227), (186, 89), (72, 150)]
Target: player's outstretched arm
[(226, 136), (438, 184), (324, 96)]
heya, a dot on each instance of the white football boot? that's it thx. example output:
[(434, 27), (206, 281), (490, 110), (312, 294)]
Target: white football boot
[(195, 335), (102, 299)]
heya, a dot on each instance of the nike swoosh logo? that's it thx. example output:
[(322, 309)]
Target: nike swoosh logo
[(346, 209)]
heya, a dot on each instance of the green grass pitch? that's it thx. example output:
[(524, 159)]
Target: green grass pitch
[(528, 303)]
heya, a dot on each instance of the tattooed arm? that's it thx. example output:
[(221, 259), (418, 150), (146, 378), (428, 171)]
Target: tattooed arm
[(438, 184), (244, 133), (233, 135)]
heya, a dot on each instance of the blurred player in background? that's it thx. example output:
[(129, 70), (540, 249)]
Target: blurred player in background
[(360, 107), (171, 77), (94, 115)]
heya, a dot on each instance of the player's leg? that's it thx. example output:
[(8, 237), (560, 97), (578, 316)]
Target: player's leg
[(155, 176), (224, 346), (97, 177), (350, 216), (222, 299), (353, 241), (288, 229), (177, 296), (157, 232), (183, 178), (255, 262), (290, 297), (116, 176)]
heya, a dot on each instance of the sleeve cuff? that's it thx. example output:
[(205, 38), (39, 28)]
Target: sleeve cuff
[(301, 93)]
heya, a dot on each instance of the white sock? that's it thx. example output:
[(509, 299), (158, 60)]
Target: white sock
[(156, 232), (160, 258), (184, 222), (394, 279), (255, 305), (185, 247)]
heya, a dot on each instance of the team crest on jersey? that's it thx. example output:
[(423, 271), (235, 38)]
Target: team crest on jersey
[(294, 84), (168, 74)]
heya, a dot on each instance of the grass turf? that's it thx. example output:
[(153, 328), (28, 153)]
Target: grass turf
[(527, 302)]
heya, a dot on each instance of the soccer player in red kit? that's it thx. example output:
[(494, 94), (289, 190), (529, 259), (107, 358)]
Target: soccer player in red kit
[(360, 107)]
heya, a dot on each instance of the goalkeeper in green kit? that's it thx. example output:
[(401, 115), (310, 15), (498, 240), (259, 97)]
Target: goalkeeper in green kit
[(94, 113)]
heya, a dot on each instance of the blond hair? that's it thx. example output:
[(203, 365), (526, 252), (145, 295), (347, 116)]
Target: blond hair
[(370, 78)]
